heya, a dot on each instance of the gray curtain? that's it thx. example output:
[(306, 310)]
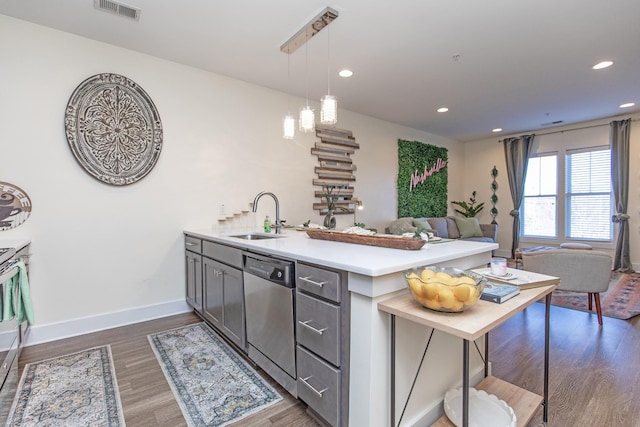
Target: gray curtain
[(516, 154), (619, 139)]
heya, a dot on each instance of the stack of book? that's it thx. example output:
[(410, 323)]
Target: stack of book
[(499, 292)]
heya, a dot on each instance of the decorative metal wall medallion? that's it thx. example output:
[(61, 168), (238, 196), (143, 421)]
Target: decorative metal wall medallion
[(113, 129), (15, 206)]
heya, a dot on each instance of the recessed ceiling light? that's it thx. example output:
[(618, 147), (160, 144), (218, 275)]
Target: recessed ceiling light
[(496, 130), (345, 73), (603, 64), (442, 110), (627, 105)]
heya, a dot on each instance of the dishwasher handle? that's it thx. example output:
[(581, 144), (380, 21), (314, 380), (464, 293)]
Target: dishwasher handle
[(272, 269)]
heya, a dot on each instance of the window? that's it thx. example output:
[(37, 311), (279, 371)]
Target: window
[(539, 205), (582, 211), (588, 194)]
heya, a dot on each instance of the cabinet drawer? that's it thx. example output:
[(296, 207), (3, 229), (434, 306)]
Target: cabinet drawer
[(226, 254), (319, 386), (318, 327), (318, 281), (193, 244)]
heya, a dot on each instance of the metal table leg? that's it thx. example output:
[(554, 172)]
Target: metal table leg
[(393, 370), (486, 355), (465, 383), (545, 401)]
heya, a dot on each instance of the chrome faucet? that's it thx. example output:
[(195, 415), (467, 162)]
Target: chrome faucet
[(278, 225)]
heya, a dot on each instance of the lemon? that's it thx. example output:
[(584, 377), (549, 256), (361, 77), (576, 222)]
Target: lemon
[(427, 274), (463, 292), (444, 277), (446, 297), (467, 280), (430, 290), (415, 285), (432, 304)]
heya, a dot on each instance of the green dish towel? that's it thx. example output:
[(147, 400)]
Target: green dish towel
[(22, 308)]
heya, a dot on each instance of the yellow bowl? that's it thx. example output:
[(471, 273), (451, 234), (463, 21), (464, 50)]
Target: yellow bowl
[(446, 289)]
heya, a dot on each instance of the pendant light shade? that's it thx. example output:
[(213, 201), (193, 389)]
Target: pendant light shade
[(307, 115), (307, 119), (329, 110), (328, 103), (289, 127)]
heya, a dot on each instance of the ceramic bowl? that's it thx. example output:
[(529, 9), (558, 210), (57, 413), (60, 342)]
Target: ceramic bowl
[(445, 289)]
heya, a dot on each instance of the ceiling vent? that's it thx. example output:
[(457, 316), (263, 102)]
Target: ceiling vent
[(117, 9)]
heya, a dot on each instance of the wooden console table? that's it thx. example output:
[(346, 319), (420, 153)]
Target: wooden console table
[(470, 325)]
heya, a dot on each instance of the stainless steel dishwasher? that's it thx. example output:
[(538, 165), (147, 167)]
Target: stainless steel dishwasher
[(269, 287)]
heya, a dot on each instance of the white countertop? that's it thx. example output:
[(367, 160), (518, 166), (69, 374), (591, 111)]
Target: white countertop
[(15, 243), (367, 260)]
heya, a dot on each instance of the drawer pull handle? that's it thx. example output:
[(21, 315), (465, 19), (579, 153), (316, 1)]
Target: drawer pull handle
[(319, 393), (308, 280), (190, 244), (306, 325)]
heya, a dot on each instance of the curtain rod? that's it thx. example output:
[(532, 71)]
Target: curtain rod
[(569, 130)]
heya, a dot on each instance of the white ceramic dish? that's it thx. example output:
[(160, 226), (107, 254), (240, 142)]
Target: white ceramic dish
[(485, 410)]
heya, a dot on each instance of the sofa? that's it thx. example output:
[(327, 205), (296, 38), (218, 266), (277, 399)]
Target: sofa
[(449, 227)]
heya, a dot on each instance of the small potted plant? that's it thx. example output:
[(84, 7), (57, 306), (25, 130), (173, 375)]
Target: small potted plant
[(469, 209)]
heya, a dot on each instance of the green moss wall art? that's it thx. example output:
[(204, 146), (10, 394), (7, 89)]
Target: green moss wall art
[(422, 180)]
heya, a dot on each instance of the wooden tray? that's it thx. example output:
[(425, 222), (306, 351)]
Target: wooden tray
[(382, 241)]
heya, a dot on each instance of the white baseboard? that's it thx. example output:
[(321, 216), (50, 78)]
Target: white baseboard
[(39, 334)]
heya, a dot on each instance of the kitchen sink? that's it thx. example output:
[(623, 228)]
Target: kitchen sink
[(255, 236)]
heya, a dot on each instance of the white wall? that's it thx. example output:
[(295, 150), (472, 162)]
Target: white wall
[(483, 155), (100, 250)]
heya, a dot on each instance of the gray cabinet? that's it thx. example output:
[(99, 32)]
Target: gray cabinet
[(194, 280), (214, 287), (223, 296), (322, 334)]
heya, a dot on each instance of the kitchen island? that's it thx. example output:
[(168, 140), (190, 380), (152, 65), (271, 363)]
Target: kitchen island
[(374, 274)]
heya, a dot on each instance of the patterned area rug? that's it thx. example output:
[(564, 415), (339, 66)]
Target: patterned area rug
[(78, 389), (212, 384), (621, 300)]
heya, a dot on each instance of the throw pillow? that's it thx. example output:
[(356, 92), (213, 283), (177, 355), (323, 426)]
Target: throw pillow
[(469, 227), (422, 225), (452, 227), (402, 225), (440, 227)]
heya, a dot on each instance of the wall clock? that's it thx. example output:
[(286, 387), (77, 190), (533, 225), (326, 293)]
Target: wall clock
[(113, 129)]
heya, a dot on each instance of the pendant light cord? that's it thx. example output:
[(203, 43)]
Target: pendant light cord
[(328, 60), (306, 60), (288, 83)]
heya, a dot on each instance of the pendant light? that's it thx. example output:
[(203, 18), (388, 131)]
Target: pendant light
[(289, 122), (307, 119), (307, 116), (328, 103)]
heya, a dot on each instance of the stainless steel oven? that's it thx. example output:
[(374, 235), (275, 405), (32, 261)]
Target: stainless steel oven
[(9, 339), (269, 286)]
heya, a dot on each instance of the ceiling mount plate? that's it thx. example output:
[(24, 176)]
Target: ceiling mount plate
[(313, 27)]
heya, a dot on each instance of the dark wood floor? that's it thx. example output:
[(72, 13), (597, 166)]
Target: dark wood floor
[(594, 375), (594, 380), (147, 400)]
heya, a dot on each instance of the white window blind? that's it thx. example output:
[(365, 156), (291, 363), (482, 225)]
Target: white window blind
[(588, 194)]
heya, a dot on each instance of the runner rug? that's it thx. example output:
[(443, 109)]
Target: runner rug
[(620, 301), (213, 385), (78, 389)]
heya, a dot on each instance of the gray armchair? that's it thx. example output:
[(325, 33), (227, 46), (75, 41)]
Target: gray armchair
[(578, 270)]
